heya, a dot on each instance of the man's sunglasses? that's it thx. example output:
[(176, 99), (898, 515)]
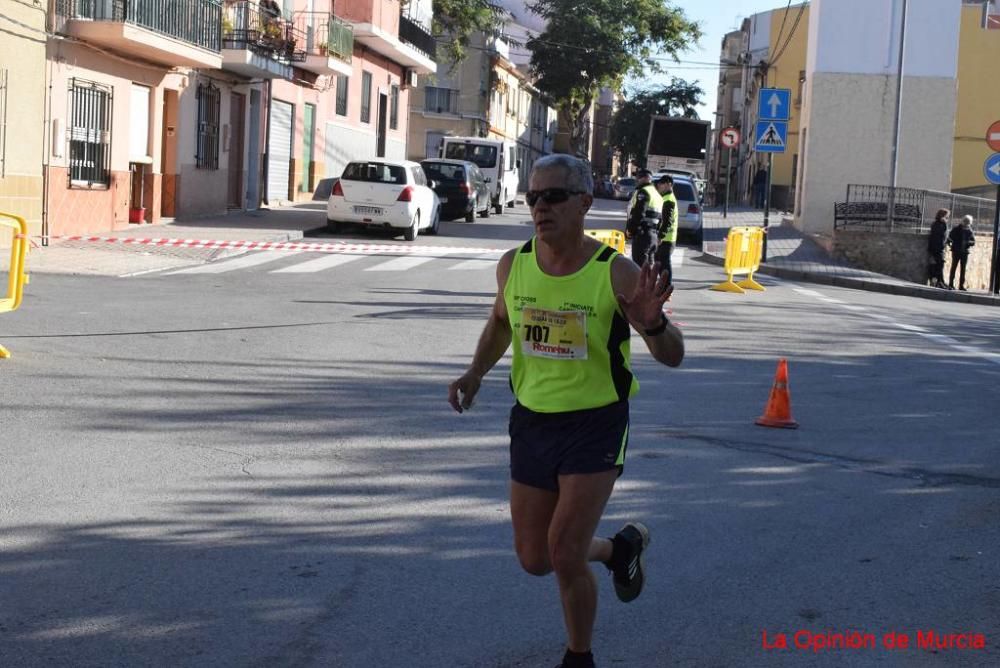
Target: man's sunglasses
[(550, 195)]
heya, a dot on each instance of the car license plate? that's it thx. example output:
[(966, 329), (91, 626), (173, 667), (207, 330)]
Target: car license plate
[(368, 210), (444, 200)]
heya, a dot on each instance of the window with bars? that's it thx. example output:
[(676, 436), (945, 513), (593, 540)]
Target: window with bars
[(393, 107), (440, 100), (366, 97), (209, 106), (342, 82), (89, 133)]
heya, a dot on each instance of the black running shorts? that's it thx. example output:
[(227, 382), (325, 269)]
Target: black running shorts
[(544, 446)]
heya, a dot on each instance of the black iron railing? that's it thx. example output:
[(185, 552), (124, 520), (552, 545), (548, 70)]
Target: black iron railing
[(913, 210), (197, 22), (415, 34), (245, 25)]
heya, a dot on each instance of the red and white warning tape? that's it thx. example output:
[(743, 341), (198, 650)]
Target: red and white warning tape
[(337, 247)]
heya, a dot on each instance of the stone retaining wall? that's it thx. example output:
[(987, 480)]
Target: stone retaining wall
[(904, 256)]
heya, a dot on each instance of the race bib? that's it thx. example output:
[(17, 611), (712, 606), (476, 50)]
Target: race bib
[(560, 335)]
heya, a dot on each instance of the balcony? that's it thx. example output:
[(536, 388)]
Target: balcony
[(174, 33), (259, 44), (400, 49), (329, 43)]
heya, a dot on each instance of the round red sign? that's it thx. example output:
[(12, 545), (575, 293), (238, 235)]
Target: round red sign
[(993, 136)]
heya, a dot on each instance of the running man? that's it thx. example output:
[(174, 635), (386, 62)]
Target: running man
[(566, 301)]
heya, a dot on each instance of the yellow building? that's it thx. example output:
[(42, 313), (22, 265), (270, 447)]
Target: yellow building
[(777, 44), (978, 100), (22, 110)]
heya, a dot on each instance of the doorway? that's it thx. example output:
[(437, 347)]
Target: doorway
[(237, 109), (168, 156), (383, 105)]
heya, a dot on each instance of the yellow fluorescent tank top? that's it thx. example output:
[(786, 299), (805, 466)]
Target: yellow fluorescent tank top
[(570, 339)]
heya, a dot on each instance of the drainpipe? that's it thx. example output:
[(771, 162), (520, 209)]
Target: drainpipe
[(267, 147)]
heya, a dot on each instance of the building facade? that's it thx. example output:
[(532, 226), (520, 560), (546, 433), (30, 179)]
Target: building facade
[(950, 97), (485, 95), (22, 107), (218, 106)]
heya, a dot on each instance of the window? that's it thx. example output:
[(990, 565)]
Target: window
[(374, 172), (342, 82), (479, 154), (207, 156), (440, 100), (418, 176), (366, 97), (89, 133), (393, 107)]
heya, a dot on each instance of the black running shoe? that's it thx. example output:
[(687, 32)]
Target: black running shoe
[(628, 571)]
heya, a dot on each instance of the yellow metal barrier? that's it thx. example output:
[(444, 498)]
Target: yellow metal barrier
[(743, 251), (17, 277), (613, 238)]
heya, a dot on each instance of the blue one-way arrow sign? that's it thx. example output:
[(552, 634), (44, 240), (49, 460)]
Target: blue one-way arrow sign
[(992, 169), (773, 104)]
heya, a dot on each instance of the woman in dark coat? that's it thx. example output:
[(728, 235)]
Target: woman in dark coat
[(935, 246), (961, 239)]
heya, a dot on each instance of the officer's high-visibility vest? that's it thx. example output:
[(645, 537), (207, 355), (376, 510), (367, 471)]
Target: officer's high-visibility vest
[(669, 230), (651, 216)]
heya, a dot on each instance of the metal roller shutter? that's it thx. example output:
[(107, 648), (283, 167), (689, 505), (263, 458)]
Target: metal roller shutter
[(280, 156)]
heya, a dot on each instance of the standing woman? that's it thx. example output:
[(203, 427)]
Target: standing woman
[(961, 239), (935, 246)]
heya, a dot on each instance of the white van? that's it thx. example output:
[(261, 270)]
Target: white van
[(496, 158)]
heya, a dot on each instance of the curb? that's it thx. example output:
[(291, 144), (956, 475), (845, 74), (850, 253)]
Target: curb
[(919, 291)]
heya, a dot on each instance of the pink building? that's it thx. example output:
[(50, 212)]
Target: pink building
[(217, 106)]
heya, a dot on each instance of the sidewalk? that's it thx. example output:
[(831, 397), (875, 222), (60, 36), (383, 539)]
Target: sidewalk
[(124, 259), (792, 255)]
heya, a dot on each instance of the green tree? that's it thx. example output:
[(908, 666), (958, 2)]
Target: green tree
[(630, 124), (590, 44), (455, 21)]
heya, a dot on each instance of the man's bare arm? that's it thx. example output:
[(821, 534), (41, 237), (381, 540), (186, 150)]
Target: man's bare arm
[(641, 294), (493, 343)]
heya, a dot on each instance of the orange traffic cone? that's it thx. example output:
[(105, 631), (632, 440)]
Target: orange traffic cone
[(778, 412)]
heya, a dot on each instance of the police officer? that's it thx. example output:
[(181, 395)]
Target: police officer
[(643, 218), (667, 228)]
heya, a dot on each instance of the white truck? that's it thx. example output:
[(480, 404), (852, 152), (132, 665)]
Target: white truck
[(496, 158), (677, 144)]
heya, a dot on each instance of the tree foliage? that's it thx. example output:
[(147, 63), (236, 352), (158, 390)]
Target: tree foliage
[(455, 21), (630, 124), (590, 44)]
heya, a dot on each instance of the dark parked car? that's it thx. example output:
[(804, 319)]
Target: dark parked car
[(460, 186)]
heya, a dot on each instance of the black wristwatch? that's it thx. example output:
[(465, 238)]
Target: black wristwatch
[(659, 329)]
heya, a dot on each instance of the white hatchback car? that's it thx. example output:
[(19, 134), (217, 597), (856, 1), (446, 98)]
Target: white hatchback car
[(384, 194), (690, 216)]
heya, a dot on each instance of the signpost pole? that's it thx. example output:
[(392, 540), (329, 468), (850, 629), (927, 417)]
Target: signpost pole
[(767, 205), (729, 178), (994, 268)]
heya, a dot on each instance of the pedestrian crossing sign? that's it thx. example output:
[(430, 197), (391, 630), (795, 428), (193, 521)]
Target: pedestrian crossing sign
[(771, 136)]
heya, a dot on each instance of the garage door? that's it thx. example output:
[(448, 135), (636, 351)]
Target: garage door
[(280, 157)]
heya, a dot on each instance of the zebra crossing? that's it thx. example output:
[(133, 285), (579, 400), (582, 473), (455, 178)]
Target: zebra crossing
[(308, 262)]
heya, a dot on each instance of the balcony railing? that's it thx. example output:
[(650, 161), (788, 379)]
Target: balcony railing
[(415, 34), (247, 26), (341, 39), (197, 22), (325, 34)]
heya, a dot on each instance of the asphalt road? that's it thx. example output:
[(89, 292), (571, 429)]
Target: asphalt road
[(259, 468)]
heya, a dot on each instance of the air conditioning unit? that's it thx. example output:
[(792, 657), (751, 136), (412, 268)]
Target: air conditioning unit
[(409, 78)]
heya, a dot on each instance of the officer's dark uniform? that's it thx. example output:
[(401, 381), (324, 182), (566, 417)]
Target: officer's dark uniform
[(643, 219)]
